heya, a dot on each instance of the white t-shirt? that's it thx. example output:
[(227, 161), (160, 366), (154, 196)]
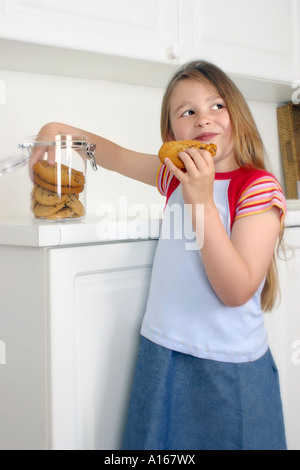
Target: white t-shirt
[(183, 311)]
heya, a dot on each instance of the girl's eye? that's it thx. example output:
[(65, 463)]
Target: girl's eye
[(217, 106), (189, 112)]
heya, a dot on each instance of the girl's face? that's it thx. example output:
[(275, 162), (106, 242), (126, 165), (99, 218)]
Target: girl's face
[(197, 112)]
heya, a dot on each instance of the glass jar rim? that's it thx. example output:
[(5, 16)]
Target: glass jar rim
[(56, 139)]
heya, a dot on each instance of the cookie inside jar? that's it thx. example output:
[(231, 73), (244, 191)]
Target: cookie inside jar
[(59, 176), (57, 191)]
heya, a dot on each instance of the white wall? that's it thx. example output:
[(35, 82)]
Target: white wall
[(126, 114)]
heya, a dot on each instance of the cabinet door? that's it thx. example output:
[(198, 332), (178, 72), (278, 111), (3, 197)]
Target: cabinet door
[(131, 28), (23, 418), (109, 307), (97, 299), (250, 37), (284, 335)]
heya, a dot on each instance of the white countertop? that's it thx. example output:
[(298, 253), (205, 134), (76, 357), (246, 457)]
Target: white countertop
[(24, 231), (293, 213)]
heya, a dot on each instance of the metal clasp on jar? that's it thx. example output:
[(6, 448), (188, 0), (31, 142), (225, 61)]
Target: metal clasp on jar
[(90, 151)]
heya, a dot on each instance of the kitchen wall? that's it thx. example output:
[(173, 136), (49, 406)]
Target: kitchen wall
[(126, 114)]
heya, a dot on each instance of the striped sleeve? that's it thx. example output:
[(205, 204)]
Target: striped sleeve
[(163, 179), (261, 195)]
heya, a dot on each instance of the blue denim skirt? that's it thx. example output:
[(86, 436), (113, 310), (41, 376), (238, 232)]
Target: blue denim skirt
[(180, 402)]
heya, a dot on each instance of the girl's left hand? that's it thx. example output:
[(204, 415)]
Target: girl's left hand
[(197, 182)]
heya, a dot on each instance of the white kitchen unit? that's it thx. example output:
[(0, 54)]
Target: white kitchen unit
[(72, 297), (126, 28), (283, 326), (69, 326), (253, 38), (144, 42)]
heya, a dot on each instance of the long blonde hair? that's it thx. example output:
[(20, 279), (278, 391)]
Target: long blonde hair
[(248, 145)]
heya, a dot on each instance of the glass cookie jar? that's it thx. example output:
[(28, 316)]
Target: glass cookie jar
[(59, 191)]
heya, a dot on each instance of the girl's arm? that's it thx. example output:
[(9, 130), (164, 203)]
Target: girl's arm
[(235, 266), (139, 166)]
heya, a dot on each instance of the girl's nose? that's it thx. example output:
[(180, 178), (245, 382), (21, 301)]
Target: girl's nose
[(201, 120)]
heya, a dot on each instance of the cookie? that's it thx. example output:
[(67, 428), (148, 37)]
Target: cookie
[(33, 204), (45, 211), (173, 148), (64, 213), (48, 198), (58, 174), (58, 189), (35, 187), (76, 206)]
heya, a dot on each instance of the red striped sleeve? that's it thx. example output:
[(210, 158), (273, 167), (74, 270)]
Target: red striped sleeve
[(163, 179), (261, 195)]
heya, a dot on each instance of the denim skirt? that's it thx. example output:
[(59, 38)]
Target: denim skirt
[(180, 402)]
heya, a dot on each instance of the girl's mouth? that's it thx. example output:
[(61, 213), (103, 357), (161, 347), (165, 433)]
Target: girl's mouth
[(205, 137)]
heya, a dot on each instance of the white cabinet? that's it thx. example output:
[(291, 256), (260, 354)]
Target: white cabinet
[(128, 28), (69, 325), (284, 334), (250, 37), (144, 41), (69, 334)]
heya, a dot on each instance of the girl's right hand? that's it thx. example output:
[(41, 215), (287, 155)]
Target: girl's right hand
[(38, 152)]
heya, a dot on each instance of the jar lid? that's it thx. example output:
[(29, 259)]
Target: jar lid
[(10, 164), (64, 140)]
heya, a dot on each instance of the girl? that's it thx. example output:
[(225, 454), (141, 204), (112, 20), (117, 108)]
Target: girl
[(205, 377)]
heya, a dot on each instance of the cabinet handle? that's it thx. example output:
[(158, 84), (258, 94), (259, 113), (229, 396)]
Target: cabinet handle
[(173, 52)]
